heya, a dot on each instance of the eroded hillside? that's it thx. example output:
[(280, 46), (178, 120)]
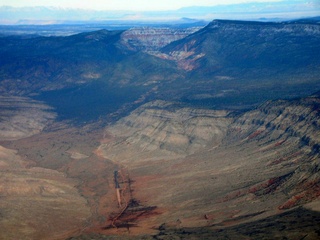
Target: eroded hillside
[(263, 166), (38, 203), (152, 39), (161, 130), (23, 117), (180, 169), (225, 65)]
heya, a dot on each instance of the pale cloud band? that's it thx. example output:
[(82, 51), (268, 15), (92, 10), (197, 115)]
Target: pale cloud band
[(136, 5)]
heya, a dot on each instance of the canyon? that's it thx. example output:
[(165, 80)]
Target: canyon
[(181, 168), (208, 133)]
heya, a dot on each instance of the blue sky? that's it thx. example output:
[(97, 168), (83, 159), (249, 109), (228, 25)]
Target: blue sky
[(140, 5)]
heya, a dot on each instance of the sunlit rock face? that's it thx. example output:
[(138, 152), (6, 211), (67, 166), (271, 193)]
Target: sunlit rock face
[(161, 129), (247, 166), (152, 39), (283, 136)]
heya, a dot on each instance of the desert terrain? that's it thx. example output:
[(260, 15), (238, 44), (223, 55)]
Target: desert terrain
[(181, 172), (206, 133)]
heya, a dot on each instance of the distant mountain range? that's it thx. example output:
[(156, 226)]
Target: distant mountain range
[(227, 64), (53, 15)]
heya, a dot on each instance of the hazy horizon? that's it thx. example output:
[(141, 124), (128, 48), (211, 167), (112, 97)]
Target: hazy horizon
[(127, 5), (58, 11)]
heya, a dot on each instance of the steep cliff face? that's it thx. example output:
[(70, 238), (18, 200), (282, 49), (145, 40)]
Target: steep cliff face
[(287, 135), (239, 64), (249, 45), (161, 129), (152, 39), (42, 64), (277, 120)]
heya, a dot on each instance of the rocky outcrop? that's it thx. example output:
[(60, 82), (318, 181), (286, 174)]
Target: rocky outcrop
[(223, 45), (152, 39), (195, 167), (287, 133), (281, 120), (238, 169), (161, 129)]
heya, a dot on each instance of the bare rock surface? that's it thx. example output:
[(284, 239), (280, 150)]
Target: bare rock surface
[(152, 39), (265, 164), (22, 117), (159, 130), (187, 172)]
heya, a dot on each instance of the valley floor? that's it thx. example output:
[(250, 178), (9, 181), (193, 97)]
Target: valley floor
[(255, 178)]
